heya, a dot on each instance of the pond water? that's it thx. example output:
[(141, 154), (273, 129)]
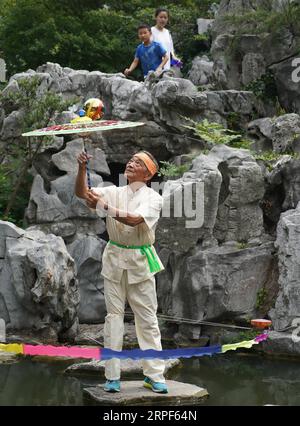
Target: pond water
[(231, 379)]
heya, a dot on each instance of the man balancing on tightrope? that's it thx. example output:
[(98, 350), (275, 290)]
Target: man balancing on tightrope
[(129, 262)]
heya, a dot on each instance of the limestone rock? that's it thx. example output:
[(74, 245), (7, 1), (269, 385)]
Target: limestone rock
[(253, 67), (10, 230), (87, 253), (204, 25), (287, 81), (38, 287), (218, 282), (287, 306), (246, 58), (280, 134), (66, 159), (11, 126), (260, 131), (128, 368), (133, 393), (284, 180), (228, 185), (44, 207), (60, 203), (151, 136), (89, 333), (69, 230), (286, 133), (201, 72)]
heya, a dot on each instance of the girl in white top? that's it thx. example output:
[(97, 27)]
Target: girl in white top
[(161, 35)]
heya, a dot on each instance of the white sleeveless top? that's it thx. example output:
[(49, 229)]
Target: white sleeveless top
[(165, 39)]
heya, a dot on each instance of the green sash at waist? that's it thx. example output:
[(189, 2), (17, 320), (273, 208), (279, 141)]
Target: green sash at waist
[(147, 251)]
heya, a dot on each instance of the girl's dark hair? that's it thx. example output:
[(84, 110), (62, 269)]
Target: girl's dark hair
[(161, 9)]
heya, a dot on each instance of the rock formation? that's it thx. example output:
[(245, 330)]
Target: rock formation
[(287, 306), (241, 54), (38, 285)]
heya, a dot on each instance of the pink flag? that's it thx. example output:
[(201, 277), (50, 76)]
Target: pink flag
[(63, 351)]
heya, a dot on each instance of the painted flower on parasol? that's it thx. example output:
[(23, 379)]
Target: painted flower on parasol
[(87, 121)]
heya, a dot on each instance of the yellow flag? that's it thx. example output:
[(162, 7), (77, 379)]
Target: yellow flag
[(14, 348), (245, 344)]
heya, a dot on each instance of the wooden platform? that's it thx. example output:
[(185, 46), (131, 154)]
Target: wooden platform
[(133, 393)]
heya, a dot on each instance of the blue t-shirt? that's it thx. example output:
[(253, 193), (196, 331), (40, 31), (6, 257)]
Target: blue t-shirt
[(150, 56)]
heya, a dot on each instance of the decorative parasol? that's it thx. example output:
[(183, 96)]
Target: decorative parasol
[(84, 126)]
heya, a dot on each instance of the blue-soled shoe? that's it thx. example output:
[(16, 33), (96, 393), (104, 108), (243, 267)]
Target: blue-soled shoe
[(155, 386), (112, 386)]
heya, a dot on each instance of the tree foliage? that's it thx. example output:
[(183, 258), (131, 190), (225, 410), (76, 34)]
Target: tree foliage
[(89, 34), (213, 133)]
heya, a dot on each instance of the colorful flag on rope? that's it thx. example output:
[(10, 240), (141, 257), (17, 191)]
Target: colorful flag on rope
[(105, 354)]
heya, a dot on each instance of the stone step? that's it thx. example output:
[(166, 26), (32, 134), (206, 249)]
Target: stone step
[(8, 358), (129, 368), (133, 393)]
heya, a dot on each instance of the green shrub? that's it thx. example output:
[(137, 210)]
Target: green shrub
[(242, 245), (7, 182), (261, 297), (169, 169), (215, 133), (264, 87)]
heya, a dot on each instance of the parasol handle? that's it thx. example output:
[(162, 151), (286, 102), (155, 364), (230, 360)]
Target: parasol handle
[(88, 174)]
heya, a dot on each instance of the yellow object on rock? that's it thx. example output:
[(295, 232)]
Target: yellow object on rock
[(84, 119)]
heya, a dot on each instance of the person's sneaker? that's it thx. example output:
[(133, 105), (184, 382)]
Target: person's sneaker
[(155, 386), (112, 386)]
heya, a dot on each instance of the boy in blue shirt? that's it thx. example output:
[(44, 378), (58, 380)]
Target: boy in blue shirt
[(150, 54)]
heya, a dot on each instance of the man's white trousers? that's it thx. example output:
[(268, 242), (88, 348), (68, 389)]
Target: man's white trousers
[(143, 302)]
